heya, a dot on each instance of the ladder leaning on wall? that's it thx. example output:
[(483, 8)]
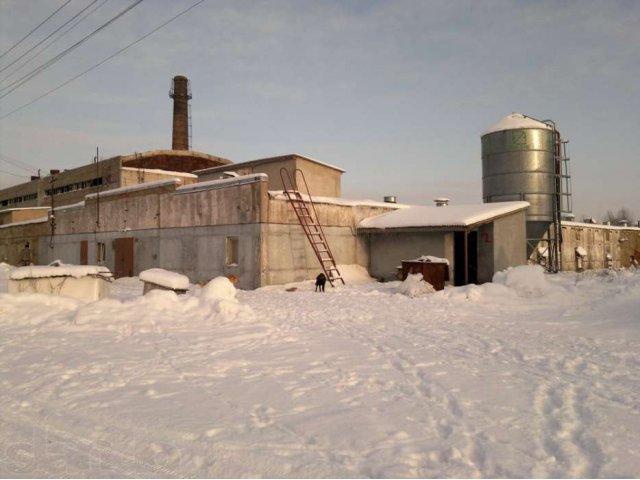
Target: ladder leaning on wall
[(307, 216)]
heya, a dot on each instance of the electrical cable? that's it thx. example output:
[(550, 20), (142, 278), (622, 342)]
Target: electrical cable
[(25, 78), (13, 174), (17, 163), (101, 62), (48, 36), (27, 35), (21, 66)]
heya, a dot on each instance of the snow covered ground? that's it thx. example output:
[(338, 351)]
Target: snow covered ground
[(531, 376)]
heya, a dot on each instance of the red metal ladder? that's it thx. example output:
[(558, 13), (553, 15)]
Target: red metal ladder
[(308, 218)]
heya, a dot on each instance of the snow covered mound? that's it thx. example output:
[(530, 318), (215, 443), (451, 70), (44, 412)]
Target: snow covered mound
[(355, 274), (526, 280), (415, 286), (165, 278), (220, 288)]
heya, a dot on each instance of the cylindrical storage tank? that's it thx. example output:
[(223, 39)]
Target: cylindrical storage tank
[(518, 164)]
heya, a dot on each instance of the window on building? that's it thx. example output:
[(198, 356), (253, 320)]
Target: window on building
[(578, 233), (101, 253), (232, 251)]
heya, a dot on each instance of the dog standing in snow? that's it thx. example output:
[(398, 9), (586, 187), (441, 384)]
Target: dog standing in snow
[(320, 281)]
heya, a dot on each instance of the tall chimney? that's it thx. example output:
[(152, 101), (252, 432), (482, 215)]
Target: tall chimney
[(181, 94)]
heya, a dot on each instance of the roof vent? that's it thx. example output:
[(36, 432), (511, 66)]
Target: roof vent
[(442, 202), (390, 199)]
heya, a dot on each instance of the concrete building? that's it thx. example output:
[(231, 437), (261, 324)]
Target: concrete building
[(477, 240), (204, 216), (217, 227), (70, 186)]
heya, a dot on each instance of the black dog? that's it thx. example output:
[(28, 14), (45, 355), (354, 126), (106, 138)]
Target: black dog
[(320, 281)]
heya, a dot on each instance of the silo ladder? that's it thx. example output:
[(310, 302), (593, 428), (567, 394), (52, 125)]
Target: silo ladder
[(307, 216)]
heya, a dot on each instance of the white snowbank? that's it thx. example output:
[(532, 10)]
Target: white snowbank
[(525, 280), (220, 288), (354, 274), (415, 286), (165, 278), (470, 382)]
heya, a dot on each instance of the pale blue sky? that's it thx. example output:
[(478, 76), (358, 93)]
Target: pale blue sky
[(395, 92)]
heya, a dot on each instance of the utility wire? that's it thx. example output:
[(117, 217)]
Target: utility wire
[(25, 78), (20, 67), (13, 174), (101, 62), (17, 163), (43, 22), (48, 36)]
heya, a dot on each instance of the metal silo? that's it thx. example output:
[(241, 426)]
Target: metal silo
[(521, 161)]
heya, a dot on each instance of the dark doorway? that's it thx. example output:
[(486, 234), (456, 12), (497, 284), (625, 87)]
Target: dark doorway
[(123, 257), (465, 259), (84, 252)]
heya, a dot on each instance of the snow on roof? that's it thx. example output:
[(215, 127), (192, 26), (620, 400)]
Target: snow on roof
[(279, 195), (165, 278), (598, 225), (22, 208), (429, 259), (222, 182), (26, 222), (515, 121), (164, 172), (76, 271), (135, 188), (451, 216)]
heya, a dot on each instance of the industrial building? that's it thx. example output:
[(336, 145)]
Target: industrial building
[(205, 216)]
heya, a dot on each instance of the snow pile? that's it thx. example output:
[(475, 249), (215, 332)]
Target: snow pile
[(5, 271), (220, 288), (362, 382), (165, 278), (415, 286), (354, 274), (526, 280), (220, 293)]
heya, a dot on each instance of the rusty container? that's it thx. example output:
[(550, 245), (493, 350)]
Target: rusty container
[(435, 273)]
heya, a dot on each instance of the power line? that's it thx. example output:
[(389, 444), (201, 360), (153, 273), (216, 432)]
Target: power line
[(13, 174), (47, 37), (101, 62), (25, 78), (43, 22), (17, 163), (20, 67)]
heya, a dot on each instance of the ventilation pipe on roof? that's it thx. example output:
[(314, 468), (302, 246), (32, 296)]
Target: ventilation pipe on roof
[(442, 202), (390, 199)]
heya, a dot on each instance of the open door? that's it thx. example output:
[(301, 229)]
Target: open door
[(123, 257), (465, 258)]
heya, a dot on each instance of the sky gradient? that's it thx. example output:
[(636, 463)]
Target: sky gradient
[(397, 93)]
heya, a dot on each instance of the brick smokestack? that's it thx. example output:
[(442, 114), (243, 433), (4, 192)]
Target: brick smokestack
[(181, 94)]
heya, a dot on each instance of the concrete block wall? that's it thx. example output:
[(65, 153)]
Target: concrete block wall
[(13, 238)]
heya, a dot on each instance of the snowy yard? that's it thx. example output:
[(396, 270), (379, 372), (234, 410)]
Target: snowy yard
[(531, 376)]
